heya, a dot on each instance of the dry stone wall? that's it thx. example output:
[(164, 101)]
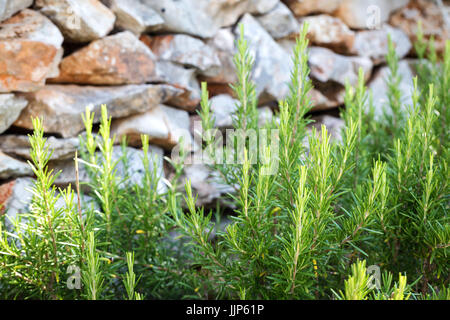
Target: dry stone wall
[(146, 58)]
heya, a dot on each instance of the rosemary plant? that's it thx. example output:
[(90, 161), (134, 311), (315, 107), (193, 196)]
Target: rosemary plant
[(310, 217)]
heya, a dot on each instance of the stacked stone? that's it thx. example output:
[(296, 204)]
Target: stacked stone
[(145, 59)]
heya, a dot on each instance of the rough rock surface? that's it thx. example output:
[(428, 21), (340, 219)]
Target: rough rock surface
[(164, 126), (379, 87), (61, 106), (272, 65), (223, 106), (184, 50), (224, 44), (367, 14), (374, 43), (225, 13), (10, 7), (431, 16), (183, 79), (184, 16), (328, 66), (304, 7), (117, 59), (30, 50), (279, 22), (330, 32), (12, 168), (81, 20), (10, 108), (135, 15), (19, 145)]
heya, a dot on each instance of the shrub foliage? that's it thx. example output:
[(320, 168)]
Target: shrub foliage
[(378, 196)]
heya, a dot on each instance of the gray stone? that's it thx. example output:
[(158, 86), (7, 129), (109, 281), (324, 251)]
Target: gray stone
[(265, 115), (12, 168), (328, 66), (184, 50), (164, 126), (279, 22), (10, 7), (374, 43), (272, 67), (183, 79), (224, 44), (184, 16), (262, 6), (18, 145), (273, 64), (135, 16), (379, 88), (79, 21), (324, 95), (61, 106), (10, 108), (334, 126), (15, 197), (224, 106)]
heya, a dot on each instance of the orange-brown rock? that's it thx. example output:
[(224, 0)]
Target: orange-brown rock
[(329, 97), (113, 60), (30, 50), (215, 89), (305, 7), (431, 16), (6, 191), (330, 32)]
